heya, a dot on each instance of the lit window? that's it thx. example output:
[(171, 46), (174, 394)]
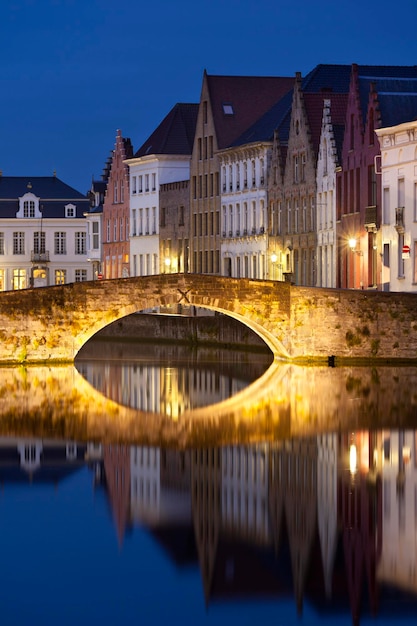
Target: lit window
[(19, 278), (228, 108), (60, 277)]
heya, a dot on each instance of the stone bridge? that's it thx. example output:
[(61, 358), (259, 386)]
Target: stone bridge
[(299, 324)]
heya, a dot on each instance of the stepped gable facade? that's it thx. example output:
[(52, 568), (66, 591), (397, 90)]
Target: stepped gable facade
[(375, 92), (115, 244)]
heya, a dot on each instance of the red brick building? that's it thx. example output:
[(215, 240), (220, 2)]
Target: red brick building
[(115, 261), (359, 181)]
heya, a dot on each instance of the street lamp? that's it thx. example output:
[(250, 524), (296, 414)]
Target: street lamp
[(167, 264), (274, 259), (352, 245)]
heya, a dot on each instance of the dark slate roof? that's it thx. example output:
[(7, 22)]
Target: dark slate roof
[(328, 77), (249, 96), (397, 98), (45, 187), (94, 209), (323, 78), (175, 134), (387, 80), (53, 195), (99, 186), (397, 108)]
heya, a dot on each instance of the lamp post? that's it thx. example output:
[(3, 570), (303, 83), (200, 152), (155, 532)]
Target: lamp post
[(352, 245), (274, 259)]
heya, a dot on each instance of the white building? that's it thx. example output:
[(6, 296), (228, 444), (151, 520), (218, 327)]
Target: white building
[(327, 163), (243, 188), (245, 471), (327, 513), (151, 501), (397, 565), (94, 218), (43, 238), (399, 206), (164, 158)]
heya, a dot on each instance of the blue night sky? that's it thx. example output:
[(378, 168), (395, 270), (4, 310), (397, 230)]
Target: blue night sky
[(74, 71)]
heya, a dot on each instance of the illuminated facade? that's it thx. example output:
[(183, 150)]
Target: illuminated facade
[(43, 233), (399, 205), (115, 239), (164, 158)]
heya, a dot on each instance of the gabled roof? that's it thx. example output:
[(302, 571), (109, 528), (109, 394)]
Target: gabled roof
[(314, 109), (175, 134), (323, 78), (246, 97)]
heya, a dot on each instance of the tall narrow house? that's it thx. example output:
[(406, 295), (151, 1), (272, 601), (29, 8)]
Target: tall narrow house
[(116, 212), (162, 160), (228, 106)]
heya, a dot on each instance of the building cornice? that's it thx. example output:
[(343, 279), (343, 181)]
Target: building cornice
[(157, 158)]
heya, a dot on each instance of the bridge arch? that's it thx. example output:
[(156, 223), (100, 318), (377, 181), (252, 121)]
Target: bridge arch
[(297, 323), (53, 323), (190, 290)]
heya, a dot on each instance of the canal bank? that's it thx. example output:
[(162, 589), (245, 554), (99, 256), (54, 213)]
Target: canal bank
[(199, 330)]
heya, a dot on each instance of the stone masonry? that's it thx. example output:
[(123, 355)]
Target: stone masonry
[(299, 324)]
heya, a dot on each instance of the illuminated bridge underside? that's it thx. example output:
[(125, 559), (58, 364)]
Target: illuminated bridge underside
[(297, 323)]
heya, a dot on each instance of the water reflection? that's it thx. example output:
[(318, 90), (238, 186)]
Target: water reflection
[(289, 521), (169, 379), (286, 401)]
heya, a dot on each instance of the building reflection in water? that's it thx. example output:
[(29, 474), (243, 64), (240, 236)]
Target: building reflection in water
[(328, 520), (190, 380)]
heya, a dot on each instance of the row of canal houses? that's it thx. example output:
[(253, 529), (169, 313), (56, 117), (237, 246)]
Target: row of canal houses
[(308, 179), (311, 180)]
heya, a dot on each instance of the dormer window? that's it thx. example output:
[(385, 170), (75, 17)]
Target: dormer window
[(28, 207), (228, 108), (70, 210)]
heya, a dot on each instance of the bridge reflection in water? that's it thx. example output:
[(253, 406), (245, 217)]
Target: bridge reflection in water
[(326, 520), (287, 400)]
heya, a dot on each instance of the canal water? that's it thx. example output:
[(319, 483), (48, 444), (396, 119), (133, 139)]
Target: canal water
[(160, 484)]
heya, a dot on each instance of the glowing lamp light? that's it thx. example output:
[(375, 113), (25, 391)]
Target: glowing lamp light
[(274, 258), (352, 243), (353, 459)]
